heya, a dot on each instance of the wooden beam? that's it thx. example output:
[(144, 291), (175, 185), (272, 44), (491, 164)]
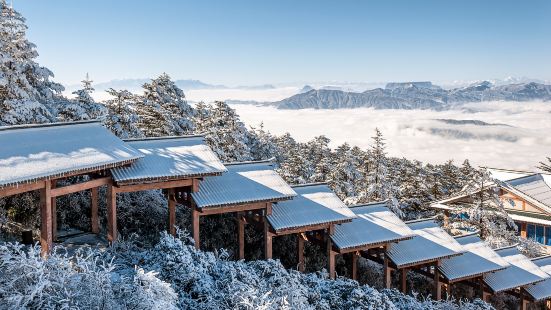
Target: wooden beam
[(155, 185), (302, 229), (195, 221), (403, 280), (195, 185), (354, 267), (46, 219), (94, 210), (241, 234), (22, 188), (234, 208), (83, 186), (300, 252), (331, 254), (387, 272), (54, 211), (111, 214), (437, 284), (268, 235), (172, 211)]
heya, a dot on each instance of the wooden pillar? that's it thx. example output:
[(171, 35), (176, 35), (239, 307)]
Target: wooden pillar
[(524, 301), (437, 284), (386, 270), (195, 221), (94, 210), (172, 211), (46, 219), (331, 255), (300, 252), (268, 235), (446, 218), (354, 267), (485, 296), (448, 290), (523, 230), (403, 280), (241, 234), (54, 212), (111, 214)]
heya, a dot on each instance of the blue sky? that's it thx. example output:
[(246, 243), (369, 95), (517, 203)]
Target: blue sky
[(255, 42)]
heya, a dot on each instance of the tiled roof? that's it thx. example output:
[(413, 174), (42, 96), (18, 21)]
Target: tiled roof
[(375, 224), (169, 158), (35, 152), (315, 204), (243, 183)]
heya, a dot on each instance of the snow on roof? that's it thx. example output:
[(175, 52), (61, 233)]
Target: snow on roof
[(529, 219), (375, 225), (534, 186), (243, 183), (315, 204), (169, 158), (36, 152), (521, 272), (506, 175), (478, 259), (541, 290), (430, 243)]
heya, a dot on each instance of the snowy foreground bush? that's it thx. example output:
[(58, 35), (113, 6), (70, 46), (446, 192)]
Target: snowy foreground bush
[(173, 275)]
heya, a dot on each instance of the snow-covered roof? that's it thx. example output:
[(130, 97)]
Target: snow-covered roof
[(315, 204), (534, 186), (529, 219), (506, 174), (521, 272), (247, 182), (169, 158), (478, 259), (375, 225), (541, 290), (37, 152), (430, 243)]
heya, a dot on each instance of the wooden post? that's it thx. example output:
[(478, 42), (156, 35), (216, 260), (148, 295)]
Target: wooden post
[(300, 252), (386, 269), (241, 234), (330, 253), (46, 219), (449, 290), (403, 280), (171, 211), (268, 235), (483, 294), (437, 284), (446, 218), (54, 212), (111, 214), (195, 221), (523, 230), (523, 300), (94, 210), (354, 262)]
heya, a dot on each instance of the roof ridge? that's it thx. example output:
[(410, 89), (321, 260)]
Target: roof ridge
[(526, 176), (245, 162), (509, 170), (421, 220), (541, 257), (164, 138), (474, 233), (506, 247), (309, 184), (55, 124)]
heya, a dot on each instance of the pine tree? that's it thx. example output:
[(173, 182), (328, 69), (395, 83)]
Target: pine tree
[(25, 86), (344, 174), (83, 106), (121, 118), (262, 143)]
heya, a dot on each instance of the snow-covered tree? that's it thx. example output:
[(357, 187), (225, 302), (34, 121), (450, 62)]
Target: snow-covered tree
[(122, 118), (546, 166), (379, 185), (262, 143), (163, 109), (25, 86), (344, 175)]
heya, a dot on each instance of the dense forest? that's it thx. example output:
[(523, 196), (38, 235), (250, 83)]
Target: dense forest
[(159, 271)]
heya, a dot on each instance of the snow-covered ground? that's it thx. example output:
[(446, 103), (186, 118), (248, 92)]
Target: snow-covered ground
[(520, 140)]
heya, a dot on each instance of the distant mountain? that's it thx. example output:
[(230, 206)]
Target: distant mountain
[(257, 87), (415, 95), (306, 89), (135, 85), (469, 122)]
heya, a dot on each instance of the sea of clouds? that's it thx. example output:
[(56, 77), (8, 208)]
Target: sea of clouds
[(517, 135)]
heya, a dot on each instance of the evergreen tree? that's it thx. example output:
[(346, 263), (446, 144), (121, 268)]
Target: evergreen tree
[(262, 144), (546, 166), (25, 86), (83, 106), (344, 175), (121, 118)]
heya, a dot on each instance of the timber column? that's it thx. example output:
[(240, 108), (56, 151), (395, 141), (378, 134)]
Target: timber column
[(46, 235), (331, 255), (268, 235)]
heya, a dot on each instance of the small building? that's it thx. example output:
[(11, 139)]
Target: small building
[(316, 209)]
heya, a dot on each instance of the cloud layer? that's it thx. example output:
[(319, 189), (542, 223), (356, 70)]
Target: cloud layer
[(517, 136)]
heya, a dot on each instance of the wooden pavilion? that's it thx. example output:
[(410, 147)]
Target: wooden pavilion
[(370, 234), (36, 157), (248, 189), (315, 209)]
